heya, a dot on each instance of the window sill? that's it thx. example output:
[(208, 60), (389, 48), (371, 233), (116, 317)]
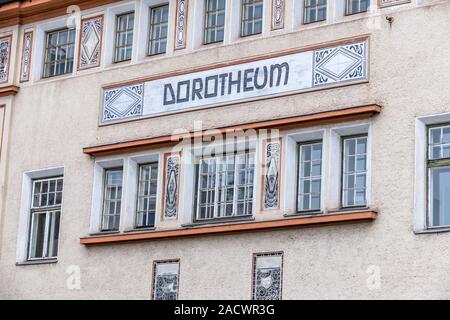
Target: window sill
[(9, 91), (201, 231), (432, 230), (218, 221), (36, 262)]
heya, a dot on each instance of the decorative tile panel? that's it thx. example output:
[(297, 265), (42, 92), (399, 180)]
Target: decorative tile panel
[(172, 164), (90, 42), (123, 102), (271, 194), (267, 276), (388, 3), (26, 56), (340, 64), (181, 24), (5, 56), (166, 280), (278, 14)]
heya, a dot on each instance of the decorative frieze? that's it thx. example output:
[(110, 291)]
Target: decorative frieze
[(181, 24), (123, 102), (340, 64), (90, 42), (272, 75), (388, 3), (166, 280), (267, 276), (5, 57), (272, 160), (278, 14), (27, 47), (172, 164)]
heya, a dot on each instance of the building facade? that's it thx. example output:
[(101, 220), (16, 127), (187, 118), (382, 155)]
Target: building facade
[(224, 149)]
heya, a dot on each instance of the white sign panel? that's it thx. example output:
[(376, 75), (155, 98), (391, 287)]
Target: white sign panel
[(246, 81)]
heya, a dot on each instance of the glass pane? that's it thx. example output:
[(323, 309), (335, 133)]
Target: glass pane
[(440, 200), (37, 235)]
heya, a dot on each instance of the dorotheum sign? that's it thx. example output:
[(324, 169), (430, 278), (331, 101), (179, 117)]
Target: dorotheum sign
[(269, 76)]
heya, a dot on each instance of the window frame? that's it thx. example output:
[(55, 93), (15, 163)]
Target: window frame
[(242, 21), (196, 192), (48, 210), (304, 22), (117, 35), (150, 29), (298, 162), (216, 26), (136, 213), (342, 147), (431, 164), (346, 9), (105, 170), (46, 48)]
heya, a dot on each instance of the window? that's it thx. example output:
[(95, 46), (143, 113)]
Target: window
[(439, 176), (214, 21), (225, 186), (146, 198), (354, 171), (45, 215), (314, 11), (124, 37), (251, 17), (59, 52), (112, 199), (310, 176), (159, 17), (356, 6), (267, 276)]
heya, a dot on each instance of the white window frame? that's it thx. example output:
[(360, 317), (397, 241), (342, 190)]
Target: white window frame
[(39, 49), (421, 190), (23, 234)]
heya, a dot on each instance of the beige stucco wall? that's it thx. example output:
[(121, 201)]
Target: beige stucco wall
[(52, 121)]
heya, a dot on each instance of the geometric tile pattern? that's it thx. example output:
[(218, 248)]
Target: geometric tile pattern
[(340, 64), (165, 280), (26, 57), (181, 24), (271, 178), (278, 14), (5, 55), (388, 3), (267, 276), (171, 185), (123, 102), (90, 42)]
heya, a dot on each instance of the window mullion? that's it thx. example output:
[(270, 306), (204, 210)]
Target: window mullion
[(216, 188)]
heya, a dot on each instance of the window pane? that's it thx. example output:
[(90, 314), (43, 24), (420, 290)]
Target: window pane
[(356, 6), (158, 29), (146, 202), (112, 199), (310, 177), (251, 21), (354, 175), (124, 37), (439, 143), (214, 21), (314, 11), (59, 53), (37, 235), (440, 200)]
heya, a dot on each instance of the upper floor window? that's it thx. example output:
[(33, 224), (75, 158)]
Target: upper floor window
[(124, 37), (45, 217), (59, 52), (225, 186), (354, 171), (214, 21), (251, 17), (356, 6), (314, 11), (112, 199), (159, 17), (439, 176), (310, 176), (146, 197)]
